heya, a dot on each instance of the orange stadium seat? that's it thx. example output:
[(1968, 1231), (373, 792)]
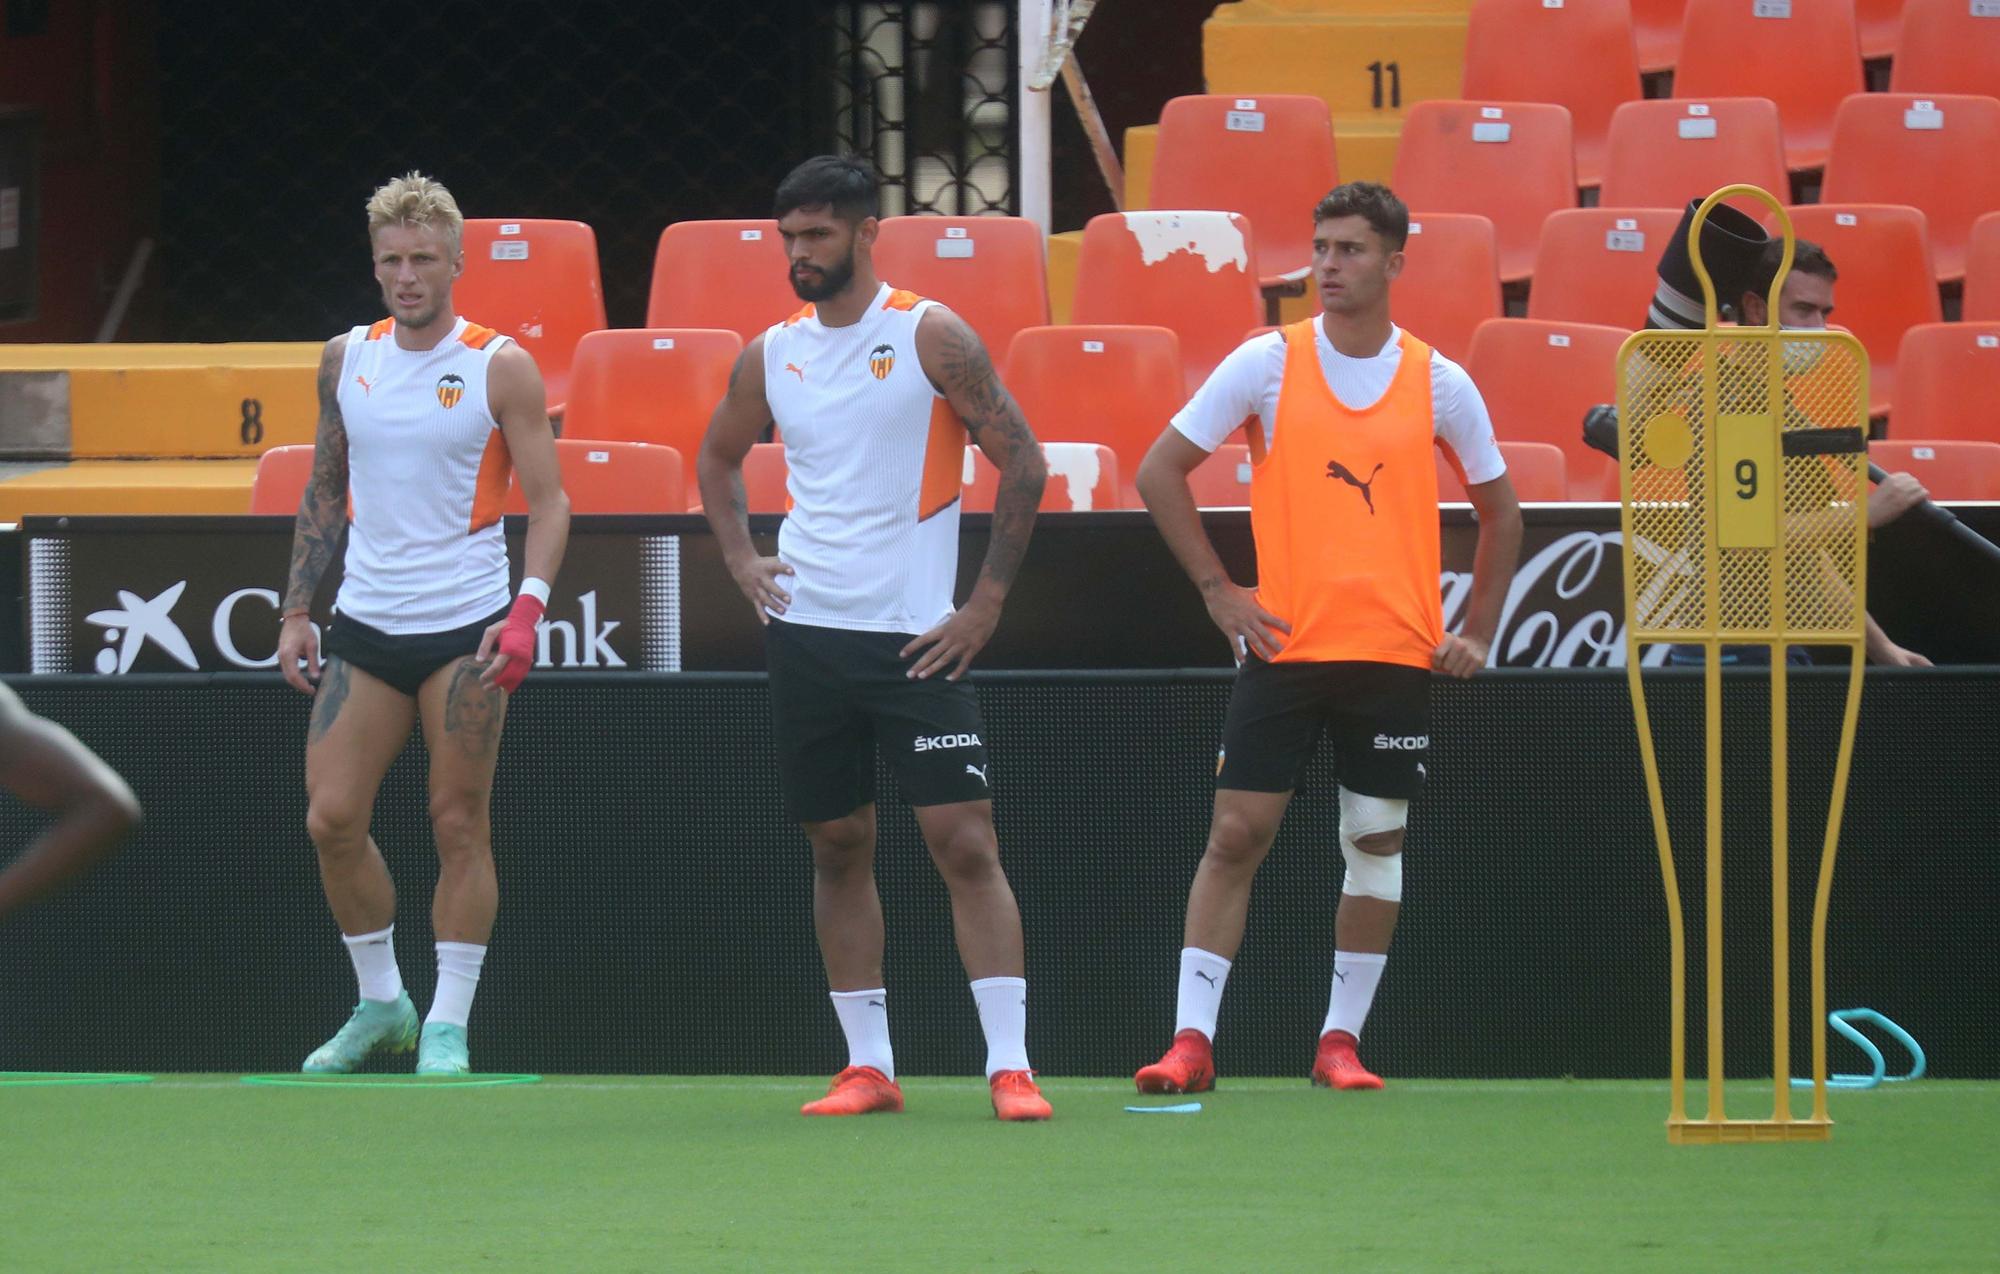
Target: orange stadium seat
[(1189, 271), (1510, 161), (1945, 377), (1223, 480), (1269, 158), (765, 475), (1581, 55), (1656, 26), (1877, 22), (1982, 271), (650, 384), (1947, 46), (282, 473), (1803, 54), (614, 477), (1113, 385), (1537, 470), (1664, 153), (1600, 265), (538, 282), (1883, 255), (989, 270), (1940, 154), (1450, 282), (1083, 477), (729, 274), (1949, 470), (1538, 379)]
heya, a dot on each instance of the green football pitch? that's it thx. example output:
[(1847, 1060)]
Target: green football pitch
[(614, 1173)]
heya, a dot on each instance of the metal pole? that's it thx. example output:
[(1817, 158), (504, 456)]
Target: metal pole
[(1031, 43)]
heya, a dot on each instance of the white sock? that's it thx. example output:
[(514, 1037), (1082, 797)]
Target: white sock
[(1355, 975), (1003, 1015), (374, 956), (458, 978), (864, 1019), (1203, 974)]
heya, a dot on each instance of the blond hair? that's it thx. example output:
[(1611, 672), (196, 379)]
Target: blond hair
[(416, 200)]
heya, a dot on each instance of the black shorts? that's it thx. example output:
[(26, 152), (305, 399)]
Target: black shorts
[(1378, 717), (403, 660), (837, 695)]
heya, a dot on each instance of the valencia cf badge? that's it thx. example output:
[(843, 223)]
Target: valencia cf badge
[(450, 388), (880, 360)]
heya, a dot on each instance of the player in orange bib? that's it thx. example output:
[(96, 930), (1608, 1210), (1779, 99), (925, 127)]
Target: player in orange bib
[(873, 391), (1345, 628), (422, 417)]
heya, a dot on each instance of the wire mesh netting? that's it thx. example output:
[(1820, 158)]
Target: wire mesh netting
[(626, 118), (1737, 531)]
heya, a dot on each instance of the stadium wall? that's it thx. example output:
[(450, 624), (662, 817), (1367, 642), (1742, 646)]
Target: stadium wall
[(656, 907)]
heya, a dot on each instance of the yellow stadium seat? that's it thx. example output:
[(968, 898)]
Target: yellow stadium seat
[(1368, 67), (157, 401)]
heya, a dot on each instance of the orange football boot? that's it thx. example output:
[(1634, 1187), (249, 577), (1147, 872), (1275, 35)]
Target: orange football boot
[(1188, 1067), (858, 1090), (1016, 1098), (1336, 1065)]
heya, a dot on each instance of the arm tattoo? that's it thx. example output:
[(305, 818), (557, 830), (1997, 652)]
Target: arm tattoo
[(323, 507), (995, 422)]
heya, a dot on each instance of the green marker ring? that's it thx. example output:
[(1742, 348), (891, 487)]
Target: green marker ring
[(300, 1080), (54, 1079)]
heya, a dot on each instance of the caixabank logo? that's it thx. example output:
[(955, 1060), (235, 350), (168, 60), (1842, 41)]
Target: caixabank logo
[(140, 624)]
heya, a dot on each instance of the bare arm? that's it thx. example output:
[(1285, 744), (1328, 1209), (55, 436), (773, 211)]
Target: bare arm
[(733, 428), (515, 394), (956, 363), (42, 764), (1493, 562), (316, 532), (1163, 484)]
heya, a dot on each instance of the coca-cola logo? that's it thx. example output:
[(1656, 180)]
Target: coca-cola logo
[(1554, 615)]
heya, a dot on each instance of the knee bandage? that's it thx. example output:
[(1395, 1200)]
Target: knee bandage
[(1371, 875)]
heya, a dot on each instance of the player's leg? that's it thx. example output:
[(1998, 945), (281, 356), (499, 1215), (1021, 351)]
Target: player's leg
[(932, 733), (359, 724), (43, 765), (462, 720), (1268, 736), (826, 773), (1382, 735)]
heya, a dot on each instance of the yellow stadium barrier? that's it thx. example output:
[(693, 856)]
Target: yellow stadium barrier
[(1368, 67), (156, 401), (88, 487)]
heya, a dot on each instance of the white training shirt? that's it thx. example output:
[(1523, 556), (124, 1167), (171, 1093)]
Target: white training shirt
[(1246, 383), (427, 473), (876, 458)]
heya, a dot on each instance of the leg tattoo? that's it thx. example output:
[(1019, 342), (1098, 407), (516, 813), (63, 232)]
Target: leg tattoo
[(327, 703)]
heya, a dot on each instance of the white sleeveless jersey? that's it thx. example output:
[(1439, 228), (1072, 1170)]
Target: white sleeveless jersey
[(427, 474), (876, 457)]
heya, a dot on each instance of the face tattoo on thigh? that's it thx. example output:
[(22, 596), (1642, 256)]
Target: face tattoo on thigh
[(472, 712), (326, 704)]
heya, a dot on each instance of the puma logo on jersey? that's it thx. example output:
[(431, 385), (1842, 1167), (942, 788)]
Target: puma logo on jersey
[(799, 369), (977, 773), (366, 388), (1335, 469)]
